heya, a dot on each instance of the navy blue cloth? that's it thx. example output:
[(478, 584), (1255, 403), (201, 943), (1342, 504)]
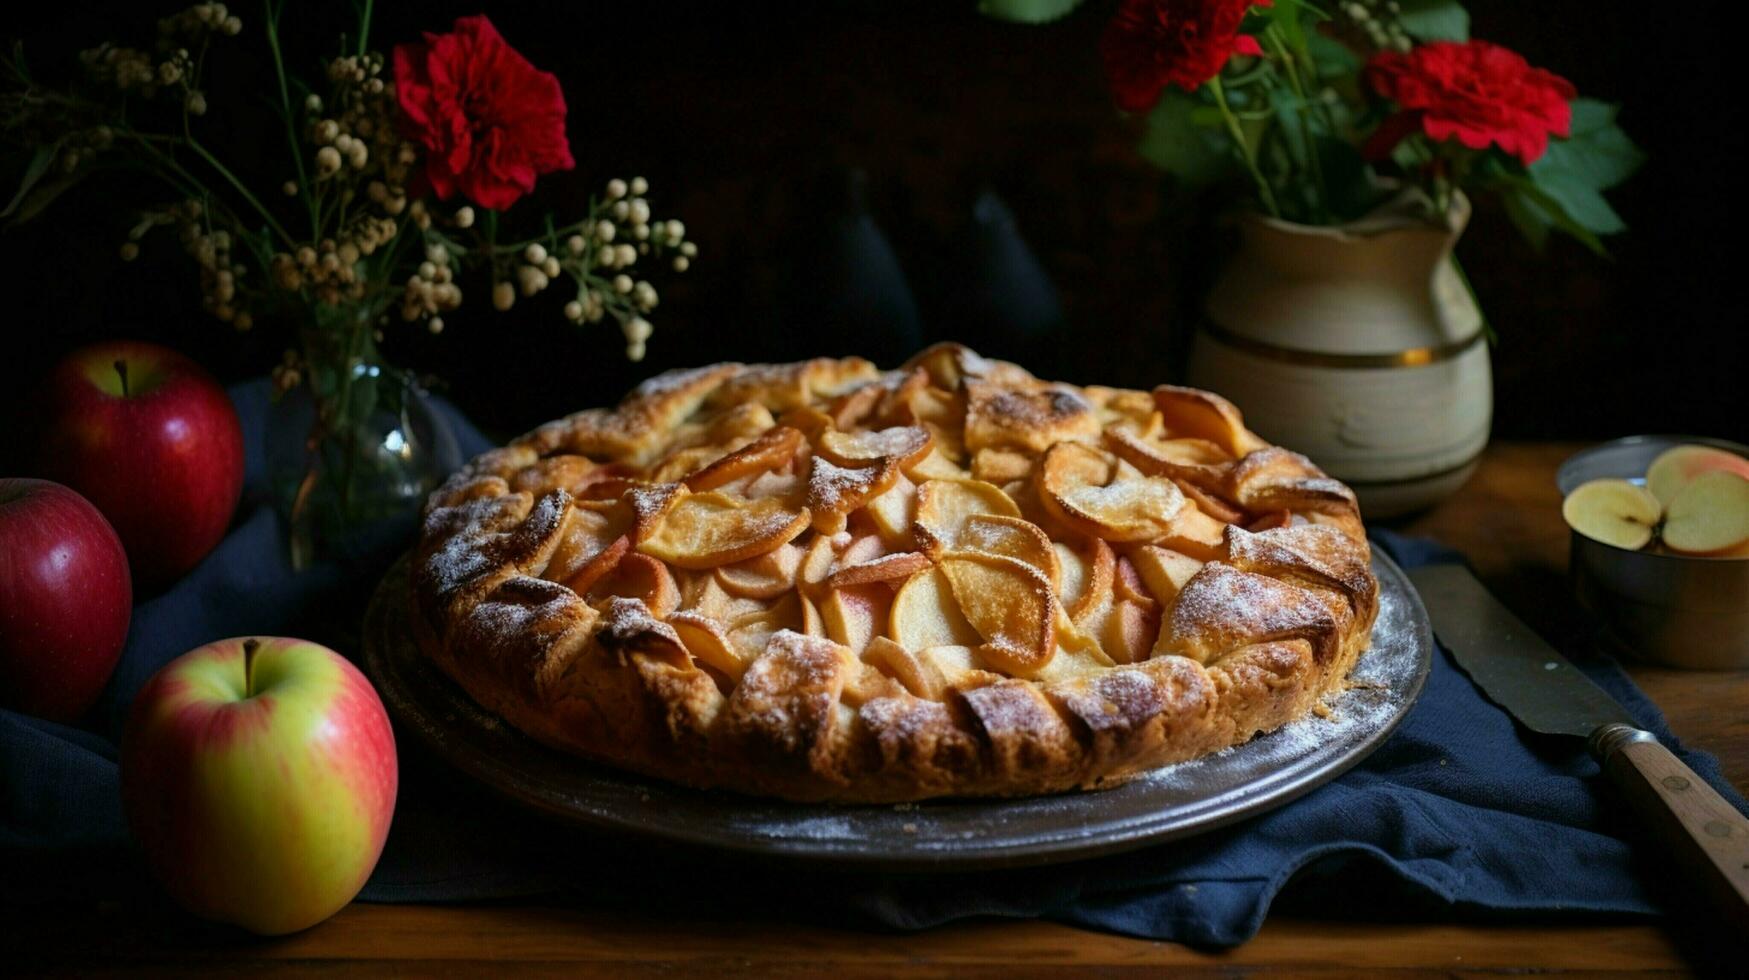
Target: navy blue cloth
[(1459, 815)]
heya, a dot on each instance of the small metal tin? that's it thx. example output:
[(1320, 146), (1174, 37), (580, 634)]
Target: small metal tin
[(1683, 611)]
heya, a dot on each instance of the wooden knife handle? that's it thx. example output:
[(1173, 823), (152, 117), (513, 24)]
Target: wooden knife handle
[(1706, 835)]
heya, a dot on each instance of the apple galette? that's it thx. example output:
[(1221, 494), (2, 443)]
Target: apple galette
[(822, 581)]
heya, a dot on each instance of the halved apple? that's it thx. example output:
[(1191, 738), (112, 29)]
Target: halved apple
[(1676, 466), (1614, 512), (1709, 515)]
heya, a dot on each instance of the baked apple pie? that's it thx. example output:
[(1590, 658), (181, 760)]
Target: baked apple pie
[(822, 581)]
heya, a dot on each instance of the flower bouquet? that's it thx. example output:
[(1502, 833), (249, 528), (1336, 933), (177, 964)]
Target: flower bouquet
[(398, 171), (1325, 113)]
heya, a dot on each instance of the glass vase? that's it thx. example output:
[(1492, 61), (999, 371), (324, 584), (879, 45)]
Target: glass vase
[(354, 448)]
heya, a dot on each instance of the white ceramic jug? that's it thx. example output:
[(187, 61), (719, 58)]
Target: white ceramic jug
[(1358, 345)]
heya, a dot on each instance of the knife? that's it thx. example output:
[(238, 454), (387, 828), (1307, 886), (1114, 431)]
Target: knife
[(1547, 694)]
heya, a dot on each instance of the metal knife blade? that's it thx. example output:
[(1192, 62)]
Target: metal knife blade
[(1512, 665)]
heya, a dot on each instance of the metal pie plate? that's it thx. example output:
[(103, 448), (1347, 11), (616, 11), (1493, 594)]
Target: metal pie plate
[(1172, 802)]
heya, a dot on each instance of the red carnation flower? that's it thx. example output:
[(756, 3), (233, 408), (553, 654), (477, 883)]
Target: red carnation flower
[(1477, 93), (1151, 44), (490, 121)]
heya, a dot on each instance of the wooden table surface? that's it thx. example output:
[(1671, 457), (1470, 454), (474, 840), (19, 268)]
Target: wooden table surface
[(1507, 520)]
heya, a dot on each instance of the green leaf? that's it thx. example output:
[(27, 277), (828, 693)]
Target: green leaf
[(1172, 141), (1289, 17), (1027, 11), (1535, 203), (40, 161), (1598, 154), (1331, 58), (1435, 20), (42, 195), (1581, 201)]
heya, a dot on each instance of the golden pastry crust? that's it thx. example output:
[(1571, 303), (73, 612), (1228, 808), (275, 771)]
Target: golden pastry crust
[(821, 581)]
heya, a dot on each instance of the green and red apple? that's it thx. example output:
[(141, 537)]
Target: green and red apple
[(259, 777), (151, 439)]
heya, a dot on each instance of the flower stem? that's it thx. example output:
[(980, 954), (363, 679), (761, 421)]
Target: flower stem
[(1264, 191), (291, 134)]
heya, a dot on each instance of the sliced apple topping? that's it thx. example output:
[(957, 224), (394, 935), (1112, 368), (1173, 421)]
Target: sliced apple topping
[(1028, 416), (902, 445), (1198, 414), (650, 504), (1087, 572), (943, 507), (853, 615), (704, 530), (925, 614), (639, 577), (893, 513), (917, 675), (834, 491), (764, 577), (705, 640), (590, 529), (895, 567), (770, 451), (1104, 497), (1001, 466), (935, 465), (1279, 479), (1009, 603), (1614, 512), (1130, 630), (1195, 461), (1162, 571), (998, 534), (1709, 515)]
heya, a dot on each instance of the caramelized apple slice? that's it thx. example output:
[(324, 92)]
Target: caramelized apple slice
[(893, 513), (853, 615), (1009, 603), (1198, 414), (639, 577), (1001, 466), (884, 568), (770, 451), (650, 504), (903, 445), (936, 466), (834, 491), (1103, 497), (944, 505), (584, 578), (764, 577), (924, 614), (1162, 571), (919, 676), (1094, 570), (1130, 631), (705, 640), (998, 534), (1196, 461), (704, 530)]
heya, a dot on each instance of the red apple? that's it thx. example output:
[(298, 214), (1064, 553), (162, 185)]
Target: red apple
[(153, 441), (65, 600), (259, 778)]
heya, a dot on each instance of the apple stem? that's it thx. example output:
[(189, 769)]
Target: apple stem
[(249, 648), (121, 368)]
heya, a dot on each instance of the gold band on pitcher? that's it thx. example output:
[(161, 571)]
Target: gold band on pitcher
[(1413, 357)]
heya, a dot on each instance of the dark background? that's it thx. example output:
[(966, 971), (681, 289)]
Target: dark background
[(747, 117)]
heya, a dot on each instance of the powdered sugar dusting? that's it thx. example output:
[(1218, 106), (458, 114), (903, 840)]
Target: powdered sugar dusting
[(829, 484)]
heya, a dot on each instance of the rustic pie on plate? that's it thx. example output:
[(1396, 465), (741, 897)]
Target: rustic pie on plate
[(822, 581)]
